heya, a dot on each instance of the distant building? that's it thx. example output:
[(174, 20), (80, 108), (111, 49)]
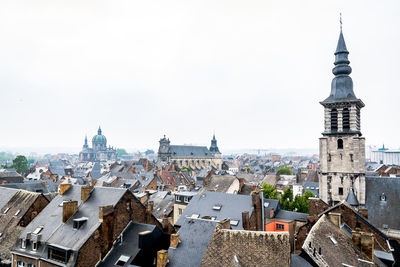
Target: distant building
[(385, 156), (99, 150), (194, 157)]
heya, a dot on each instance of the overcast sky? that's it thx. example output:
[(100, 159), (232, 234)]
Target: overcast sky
[(253, 71)]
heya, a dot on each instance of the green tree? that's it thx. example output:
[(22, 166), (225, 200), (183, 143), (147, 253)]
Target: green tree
[(20, 163), (308, 194), (301, 203), (121, 151), (284, 171), (269, 191), (287, 199)]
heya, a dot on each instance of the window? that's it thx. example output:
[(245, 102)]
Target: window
[(180, 211), (58, 254), (340, 191), (23, 243), (235, 222), (280, 226), (383, 197), (1, 234), (31, 265), (351, 157), (340, 144), (20, 264), (34, 246), (320, 251), (334, 123), (123, 259), (18, 211), (309, 244), (333, 240), (37, 230), (186, 199), (6, 210), (177, 198), (346, 119)]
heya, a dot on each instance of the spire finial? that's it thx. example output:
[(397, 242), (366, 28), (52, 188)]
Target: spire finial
[(341, 23)]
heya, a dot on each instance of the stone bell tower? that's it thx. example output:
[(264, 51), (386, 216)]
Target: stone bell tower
[(342, 147)]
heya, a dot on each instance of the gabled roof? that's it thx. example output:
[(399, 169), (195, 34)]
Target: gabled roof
[(202, 205), (189, 152), (247, 248), (195, 235)]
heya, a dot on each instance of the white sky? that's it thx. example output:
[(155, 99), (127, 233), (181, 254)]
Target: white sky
[(253, 71)]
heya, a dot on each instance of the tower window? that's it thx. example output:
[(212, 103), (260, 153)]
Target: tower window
[(340, 191), (340, 144), (334, 123), (351, 157), (346, 119)]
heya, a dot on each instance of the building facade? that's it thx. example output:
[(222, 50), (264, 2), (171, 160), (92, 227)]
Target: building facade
[(99, 150), (342, 147), (194, 157), (385, 156)]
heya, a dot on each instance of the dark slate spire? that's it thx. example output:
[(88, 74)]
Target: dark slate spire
[(86, 144), (351, 198), (342, 84), (99, 131), (214, 147)]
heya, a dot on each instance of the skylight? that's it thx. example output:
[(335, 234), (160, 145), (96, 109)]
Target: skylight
[(6, 210), (333, 240), (18, 211), (217, 207), (235, 222), (123, 259), (195, 216), (37, 230)]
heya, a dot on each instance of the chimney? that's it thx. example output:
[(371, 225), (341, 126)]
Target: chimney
[(245, 220), (104, 211), (253, 187), (69, 208), (365, 242), (162, 258), (256, 202), (174, 241), (241, 183), (335, 218), (149, 210), (85, 192), (224, 224), (64, 188), (271, 213)]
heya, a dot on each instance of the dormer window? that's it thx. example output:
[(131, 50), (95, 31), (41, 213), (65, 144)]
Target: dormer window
[(186, 199), (383, 197), (23, 243), (34, 246)]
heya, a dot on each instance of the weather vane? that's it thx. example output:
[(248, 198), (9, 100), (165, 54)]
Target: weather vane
[(341, 21)]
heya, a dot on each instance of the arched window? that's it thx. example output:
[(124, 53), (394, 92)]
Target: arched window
[(340, 144), (346, 119), (334, 123)]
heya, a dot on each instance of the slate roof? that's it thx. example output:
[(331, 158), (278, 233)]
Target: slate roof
[(195, 235), (319, 236), (271, 204), (163, 203), (383, 213), (203, 203), (129, 245), (38, 186), (5, 195), (247, 248), (96, 171), (309, 185), (291, 215), (190, 152), (221, 183), (298, 261)]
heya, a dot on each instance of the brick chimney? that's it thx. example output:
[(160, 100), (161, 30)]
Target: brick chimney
[(256, 202), (174, 240), (335, 218), (245, 220), (241, 183), (85, 192), (365, 242), (162, 258), (149, 210), (104, 211), (69, 208), (64, 188), (271, 213), (224, 224)]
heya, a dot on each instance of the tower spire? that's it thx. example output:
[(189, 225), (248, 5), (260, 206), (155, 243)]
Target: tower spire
[(99, 131)]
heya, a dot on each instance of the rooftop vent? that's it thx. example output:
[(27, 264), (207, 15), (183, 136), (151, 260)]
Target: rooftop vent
[(235, 222), (333, 240), (79, 222), (217, 207), (18, 211), (195, 216)]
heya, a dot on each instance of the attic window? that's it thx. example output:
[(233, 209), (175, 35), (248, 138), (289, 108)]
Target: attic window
[(79, 222), (333, 240), (37, 230), (6, 210), (195, 216), (235, 222), (18, 211), (217, 207), (123, 259)]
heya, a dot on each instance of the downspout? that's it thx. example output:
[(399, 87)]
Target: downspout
[(262, 209)]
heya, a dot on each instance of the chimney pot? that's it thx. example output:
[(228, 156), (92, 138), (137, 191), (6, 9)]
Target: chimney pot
[(85, 192), (64, 188), (162, 258)]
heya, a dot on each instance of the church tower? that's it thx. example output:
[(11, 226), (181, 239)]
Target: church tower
[(342, 147)]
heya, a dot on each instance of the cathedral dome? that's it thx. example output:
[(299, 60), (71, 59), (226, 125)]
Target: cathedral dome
[(99, 138)]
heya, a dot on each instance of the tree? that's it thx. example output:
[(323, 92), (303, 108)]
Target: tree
[(308, 194), (284, 171), (20, 163), (301, 203), (269, 191), (287, 199)]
